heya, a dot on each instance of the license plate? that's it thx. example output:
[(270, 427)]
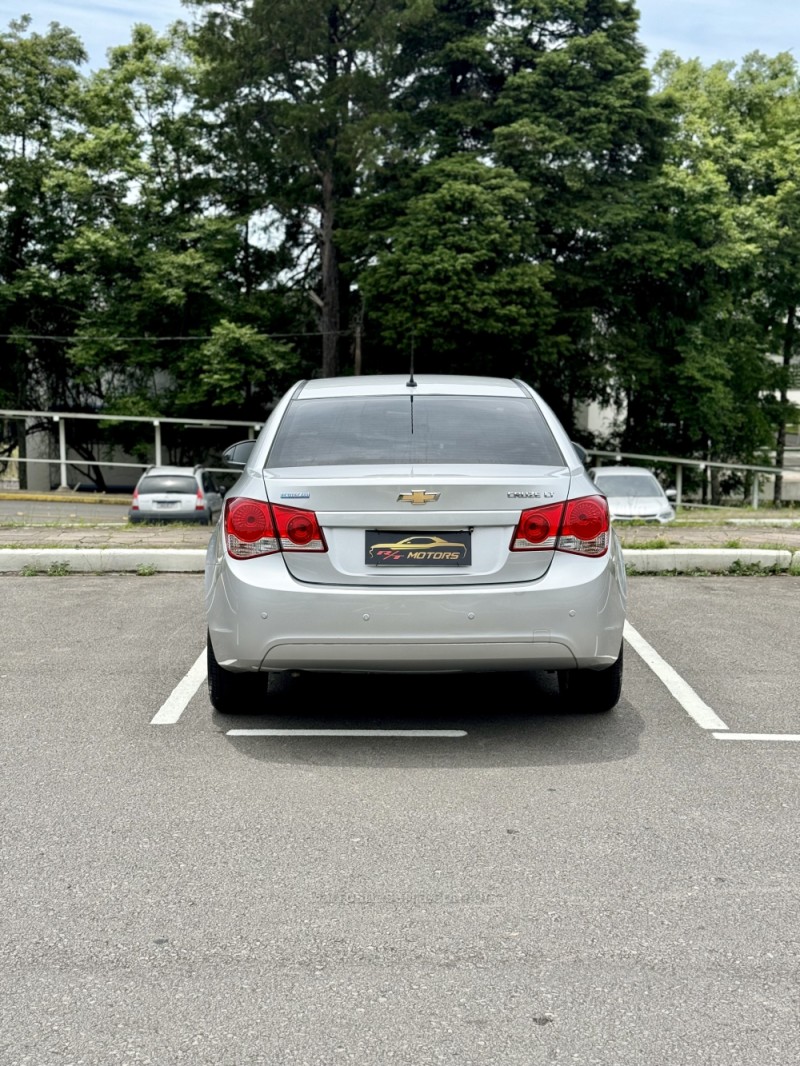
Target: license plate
[(417, 549), (167, 503)]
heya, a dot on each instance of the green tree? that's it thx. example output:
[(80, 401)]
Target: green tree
[(708, 261), (296, 90), (456, 280), (39, 113), (554, 94)]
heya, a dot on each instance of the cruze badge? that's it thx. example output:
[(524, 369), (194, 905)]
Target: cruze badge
[(418, 496), (547, 495), (295, 495)]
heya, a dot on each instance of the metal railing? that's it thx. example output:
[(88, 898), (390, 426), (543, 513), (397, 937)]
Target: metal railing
[(63, 461), (704, 466)]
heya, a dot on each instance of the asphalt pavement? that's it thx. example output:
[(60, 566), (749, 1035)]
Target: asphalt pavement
[(541, 888)]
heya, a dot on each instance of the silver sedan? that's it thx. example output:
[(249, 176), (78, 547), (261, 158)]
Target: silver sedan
[(385, 523)]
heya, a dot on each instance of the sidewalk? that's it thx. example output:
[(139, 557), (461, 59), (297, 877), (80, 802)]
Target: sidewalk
[(104, 536)]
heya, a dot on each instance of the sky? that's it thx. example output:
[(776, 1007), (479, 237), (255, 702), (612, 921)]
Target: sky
[(707, 29)]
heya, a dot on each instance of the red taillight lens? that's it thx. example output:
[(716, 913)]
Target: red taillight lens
[(586, 527), (537, 528), (248, 528), (135, 501), (199, 505), (580, 527), (298, 530)]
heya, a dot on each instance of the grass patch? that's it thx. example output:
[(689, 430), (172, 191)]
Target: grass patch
[(732, 544), (56, 569), (736, 569), (145, 570), (648, 545), (752, 569)]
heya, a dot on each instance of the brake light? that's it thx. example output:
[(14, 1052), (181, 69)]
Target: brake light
[(249, 530), (537, 529), (135, 500), (253, 528), (580, 527), (298, 530), (199, 504), (586, 527)]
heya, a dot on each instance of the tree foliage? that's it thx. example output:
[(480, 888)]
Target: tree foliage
[(294, 187)]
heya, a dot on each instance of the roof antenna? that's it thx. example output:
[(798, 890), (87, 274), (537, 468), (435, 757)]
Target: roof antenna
[(411, 384)]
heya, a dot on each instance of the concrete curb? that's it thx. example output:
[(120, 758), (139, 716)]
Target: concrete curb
[(192, 560), (51, 497), (716, 560), (104, 560)]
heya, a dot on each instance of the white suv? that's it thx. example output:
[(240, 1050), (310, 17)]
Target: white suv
[(176, 494)]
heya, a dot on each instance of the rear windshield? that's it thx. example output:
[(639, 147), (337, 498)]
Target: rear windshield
[(628, 485), (166, 483), (381, 430)]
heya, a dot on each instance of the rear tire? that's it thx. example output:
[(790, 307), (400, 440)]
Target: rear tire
[(234, 693), (591, 691)]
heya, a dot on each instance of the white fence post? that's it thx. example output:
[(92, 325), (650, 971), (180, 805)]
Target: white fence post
[(157, 425), (62, 451)]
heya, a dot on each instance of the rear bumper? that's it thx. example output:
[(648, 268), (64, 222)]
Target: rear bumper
[(260, 618), (189, 517)]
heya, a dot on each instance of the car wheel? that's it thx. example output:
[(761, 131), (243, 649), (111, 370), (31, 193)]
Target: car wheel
[(591, 691), (234, 693)]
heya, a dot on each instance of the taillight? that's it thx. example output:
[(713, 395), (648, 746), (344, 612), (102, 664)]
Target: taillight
[(248, 528), (135, 500), (586, 526), (298, 530), (251, 530), (199, 505), (580, 527), (537, 529)]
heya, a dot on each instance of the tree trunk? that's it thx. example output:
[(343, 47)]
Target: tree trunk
[(716, 491), (330, 281), (22, 452), (780, 440)]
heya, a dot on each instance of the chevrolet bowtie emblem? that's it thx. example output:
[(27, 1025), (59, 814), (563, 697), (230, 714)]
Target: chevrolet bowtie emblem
[(418, 496)]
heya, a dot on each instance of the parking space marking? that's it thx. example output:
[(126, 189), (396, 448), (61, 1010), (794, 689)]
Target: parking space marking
[(178, 700), (346, 733), (680, 689), (757, 736)]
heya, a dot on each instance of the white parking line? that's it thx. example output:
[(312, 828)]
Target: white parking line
[(346, 733), (680, 689), (178, 700), (757, 736)]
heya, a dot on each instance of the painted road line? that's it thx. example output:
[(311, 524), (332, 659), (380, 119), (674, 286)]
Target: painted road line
[(757, 736), (680, 689), (179, 698), (346, 733)]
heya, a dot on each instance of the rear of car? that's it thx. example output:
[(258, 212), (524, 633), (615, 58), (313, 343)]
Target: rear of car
[(175, 494), (382, 524)]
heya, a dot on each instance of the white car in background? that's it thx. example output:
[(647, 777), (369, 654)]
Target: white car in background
[(382, 523), (176, 494), (633, 493)]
